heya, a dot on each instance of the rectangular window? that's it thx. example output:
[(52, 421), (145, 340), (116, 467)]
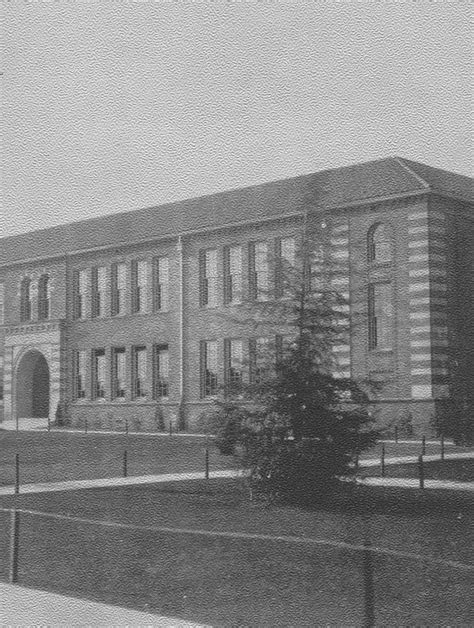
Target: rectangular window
[(98, 287), (233, 274), (380, 316), (209, 380), (119, 373), (139, 286), (161, 372), (258, 271), (208, 278), (98, 373), (2, 304), (80, 360), (160, 284), (233, 363), (80, 282), (285, 255), (139, 372), (259, 360), (118, 286)]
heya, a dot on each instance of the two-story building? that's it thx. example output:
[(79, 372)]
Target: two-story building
[(136, 315)]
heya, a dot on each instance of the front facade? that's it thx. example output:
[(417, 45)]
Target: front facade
[(140, 317)]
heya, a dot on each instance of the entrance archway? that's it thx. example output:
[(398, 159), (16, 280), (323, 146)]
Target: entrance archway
[(32, 386)]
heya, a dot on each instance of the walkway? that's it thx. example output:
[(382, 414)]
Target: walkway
[(20, 606), (75, 485)]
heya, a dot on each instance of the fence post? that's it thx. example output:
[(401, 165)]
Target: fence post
[(421, 472), (14, 544), (423, 445), (206, 458), (442, 446), (125, 470), (85, 427), (396, 434), (17, 474), (171, 428), (382, 461)]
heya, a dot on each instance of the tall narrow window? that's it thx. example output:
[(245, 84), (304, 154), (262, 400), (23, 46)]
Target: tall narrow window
[(139, 286), (259, 360), (25, 299), (233, 274), (233, 363), (80, 361), (80, 282), (284, 265), (208, 278), (98, 288), (161, 372), (119, 373), (379, 243), (160, 284), (98, 373), (209, 379), (380, 316), (2, 304), (139, 372), (118, 286), (43, 297), (258, 271)]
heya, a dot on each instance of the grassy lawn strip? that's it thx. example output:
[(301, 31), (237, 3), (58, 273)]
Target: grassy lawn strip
[(53, 457), (243, 581), (449, 470)]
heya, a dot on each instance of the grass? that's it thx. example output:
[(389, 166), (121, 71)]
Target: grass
[(229, 581), (450, 470), (58, 456)]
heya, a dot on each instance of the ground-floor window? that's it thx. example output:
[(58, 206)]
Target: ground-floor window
[(119, 374), (139, 372), (209, 379), (98, 373), (161, 372), (233, 363), (80, 366)]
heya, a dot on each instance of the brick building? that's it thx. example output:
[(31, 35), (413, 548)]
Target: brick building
[(135, 315)]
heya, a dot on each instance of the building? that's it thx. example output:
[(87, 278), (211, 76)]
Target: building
[(131, 316)]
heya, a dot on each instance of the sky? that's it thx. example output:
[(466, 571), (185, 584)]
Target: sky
[(110, 106)]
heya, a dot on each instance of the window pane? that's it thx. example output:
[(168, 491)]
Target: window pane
[(140, 372), (119, 373)]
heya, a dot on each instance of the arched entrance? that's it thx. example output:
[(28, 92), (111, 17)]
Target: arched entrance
[(32, 386)]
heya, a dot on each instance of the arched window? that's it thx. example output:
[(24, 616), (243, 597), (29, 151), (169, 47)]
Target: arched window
[(379, 243), (25, 299), (43, 297)]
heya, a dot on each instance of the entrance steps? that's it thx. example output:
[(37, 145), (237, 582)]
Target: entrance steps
[(25, 424)]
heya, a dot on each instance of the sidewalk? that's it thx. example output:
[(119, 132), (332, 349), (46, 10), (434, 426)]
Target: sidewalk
[(75, 485), (20, 606)]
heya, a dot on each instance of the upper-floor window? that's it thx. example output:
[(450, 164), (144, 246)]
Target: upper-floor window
[(43, 297), (119, 373), (258, 271), (2, 303), (208, 278), (139, 372), (209, 379), (118, 287), (380, 316), (160, 284), (233, 274), (232, 363), (161, 372), (284, 265), (80, 282), (379, 243), (25, 299), (139, 285), (99, 286)]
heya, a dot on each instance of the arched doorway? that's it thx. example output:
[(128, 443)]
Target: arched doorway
[(32, 386)]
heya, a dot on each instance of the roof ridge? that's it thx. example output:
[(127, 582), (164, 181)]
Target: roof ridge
[(401, 162)]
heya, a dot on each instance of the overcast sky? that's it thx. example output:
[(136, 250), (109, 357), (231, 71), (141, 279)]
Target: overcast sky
[(113, 106)]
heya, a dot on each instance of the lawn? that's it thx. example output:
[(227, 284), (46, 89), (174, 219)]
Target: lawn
[(58, 456), (202, 552), (450, 470)]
